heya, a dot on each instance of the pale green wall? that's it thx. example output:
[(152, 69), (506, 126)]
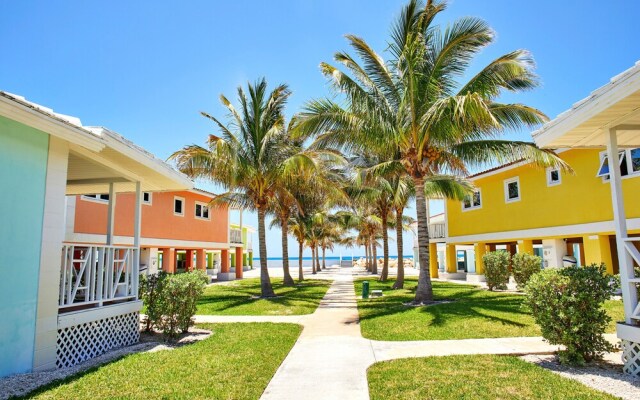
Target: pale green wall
[(23, 169)]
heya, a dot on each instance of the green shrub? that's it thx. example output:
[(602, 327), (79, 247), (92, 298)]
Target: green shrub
[(524, 265), (496, 269), (568, 303), (150, 290), (171, 300)]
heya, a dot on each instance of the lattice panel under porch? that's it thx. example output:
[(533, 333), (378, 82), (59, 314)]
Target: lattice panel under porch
[(631, 357), (81, 342)]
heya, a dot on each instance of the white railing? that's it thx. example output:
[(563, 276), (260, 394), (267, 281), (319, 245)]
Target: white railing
[(236, 236), (93, 275), (437, 231)]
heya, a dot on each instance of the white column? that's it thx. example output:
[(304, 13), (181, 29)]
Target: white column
[(625, 262), (136, 236), (111, 213)]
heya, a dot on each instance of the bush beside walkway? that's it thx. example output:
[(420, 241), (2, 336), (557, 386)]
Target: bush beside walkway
[(473, 313), (236, 362)]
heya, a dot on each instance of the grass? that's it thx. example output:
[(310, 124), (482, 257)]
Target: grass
[(475, 313), (236, 298), (236, 362), (472, 377)]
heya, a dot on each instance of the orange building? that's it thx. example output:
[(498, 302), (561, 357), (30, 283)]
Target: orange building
[(178, 230)]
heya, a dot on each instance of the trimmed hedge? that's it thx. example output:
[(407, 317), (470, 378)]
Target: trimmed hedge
[(496, 269), (524, 267)]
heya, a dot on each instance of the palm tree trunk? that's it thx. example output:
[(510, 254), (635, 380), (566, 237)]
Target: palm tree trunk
[(265, 282), (374, 251), (385, 248), (399, 283), (318, 259), (424, 291), (287, 279), (313, 260), (366, 255), (300, 251), (324, 265)]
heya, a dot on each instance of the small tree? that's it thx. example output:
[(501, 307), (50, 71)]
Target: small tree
[(496, 265), (567, 304), (524, 266)]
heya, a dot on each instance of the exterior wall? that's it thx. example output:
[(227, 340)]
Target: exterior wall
[(158, 218), (579, 199), (52, 236), (23, 171)]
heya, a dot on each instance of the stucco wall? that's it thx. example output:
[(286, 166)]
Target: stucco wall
[(23, 169)]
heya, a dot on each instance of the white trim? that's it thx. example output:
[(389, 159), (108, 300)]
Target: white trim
[(549, 171), (89, 197), (472, 207), (206, 206), (506, 190), (93, 238), (539, 233), (150, 201), (95, 314), (184, 204)]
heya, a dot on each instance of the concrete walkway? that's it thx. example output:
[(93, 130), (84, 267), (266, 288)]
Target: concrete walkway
[(330, 358)]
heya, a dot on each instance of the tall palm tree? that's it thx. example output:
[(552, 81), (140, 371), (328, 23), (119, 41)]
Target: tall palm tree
[(250, 158), (418, 104)]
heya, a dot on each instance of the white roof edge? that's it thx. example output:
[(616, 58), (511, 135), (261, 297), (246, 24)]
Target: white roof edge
[(45, 119), (618, 87), (132, 150)]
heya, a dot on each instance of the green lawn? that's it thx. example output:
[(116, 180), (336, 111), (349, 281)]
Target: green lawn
[(472, 377), (236, 362), (475, 313), (236, 298)]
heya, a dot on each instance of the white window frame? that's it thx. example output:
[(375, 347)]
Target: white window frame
[(472, 207), (205, 205), (624, 155), (150, 201), (184, 204), (506, 190), (549, 181), (95, 198)]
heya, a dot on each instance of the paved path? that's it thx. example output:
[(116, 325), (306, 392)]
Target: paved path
[(330, 358)]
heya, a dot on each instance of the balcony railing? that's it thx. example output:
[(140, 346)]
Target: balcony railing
[(94, 275), (236, 236), (437, 231)]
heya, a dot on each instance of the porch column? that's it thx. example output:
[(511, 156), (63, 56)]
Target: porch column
[(224, 274), (625, 262), (239, 251), (525, 246), (188, 264), (111, 214), (451, 262), (480, 249), (492, 247), (137, 216), (169, 260), (433, 259), (201, 259), (597, 250)]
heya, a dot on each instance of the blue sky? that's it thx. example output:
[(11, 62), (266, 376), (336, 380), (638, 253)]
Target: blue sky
[(145, 69)]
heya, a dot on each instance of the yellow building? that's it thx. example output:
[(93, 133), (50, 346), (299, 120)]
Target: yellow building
[(522, 208)]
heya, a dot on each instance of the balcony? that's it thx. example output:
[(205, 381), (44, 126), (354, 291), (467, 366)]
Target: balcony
[(235, 236), (97, 275), (437, 230)]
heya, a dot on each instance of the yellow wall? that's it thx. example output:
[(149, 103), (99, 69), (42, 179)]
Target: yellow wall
[(580, 198)]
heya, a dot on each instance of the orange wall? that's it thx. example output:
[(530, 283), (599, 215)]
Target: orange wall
[(158, 219)]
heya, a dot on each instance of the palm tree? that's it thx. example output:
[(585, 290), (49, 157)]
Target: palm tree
[(417, 104), (250, 158)]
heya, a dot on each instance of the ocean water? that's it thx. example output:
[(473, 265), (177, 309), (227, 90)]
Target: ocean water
[(276, 262)]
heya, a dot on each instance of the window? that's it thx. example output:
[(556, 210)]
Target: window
[(472, 201), (603, 170), (96, 197), (146, 198), (202, 210), (512, 190), (553, 176), (178, 206)]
